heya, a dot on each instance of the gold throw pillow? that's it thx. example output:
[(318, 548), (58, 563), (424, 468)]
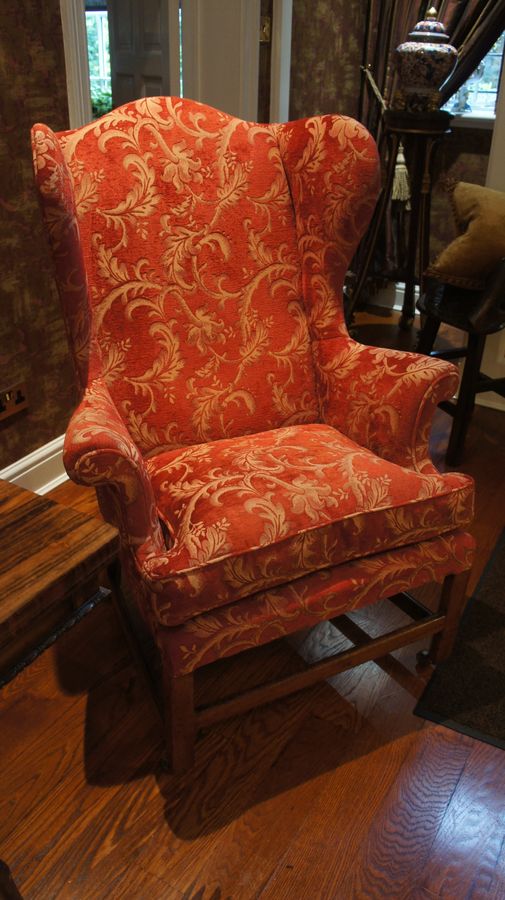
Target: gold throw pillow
[(472, 256)]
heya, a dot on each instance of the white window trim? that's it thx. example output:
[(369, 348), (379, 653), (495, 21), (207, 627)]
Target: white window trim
[(280, 70), (75, 47)]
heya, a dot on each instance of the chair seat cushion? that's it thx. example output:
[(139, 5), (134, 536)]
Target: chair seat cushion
[(245, 514)]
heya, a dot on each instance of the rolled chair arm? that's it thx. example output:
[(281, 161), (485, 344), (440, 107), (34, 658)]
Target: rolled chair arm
[(384, 399), (99, 452)]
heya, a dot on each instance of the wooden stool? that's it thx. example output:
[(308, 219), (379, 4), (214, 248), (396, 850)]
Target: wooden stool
[(478, 313)]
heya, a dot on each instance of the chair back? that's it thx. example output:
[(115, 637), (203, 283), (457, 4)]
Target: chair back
[(181, 270)]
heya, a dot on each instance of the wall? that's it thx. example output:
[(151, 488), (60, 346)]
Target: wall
[(33, 345), (326, 55)]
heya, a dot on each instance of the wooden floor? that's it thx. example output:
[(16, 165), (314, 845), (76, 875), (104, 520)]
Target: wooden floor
[(338, 792)]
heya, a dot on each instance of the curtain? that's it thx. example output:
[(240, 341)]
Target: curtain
[(388, 24)]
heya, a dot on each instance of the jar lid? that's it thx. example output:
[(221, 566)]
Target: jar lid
[(430, 29)]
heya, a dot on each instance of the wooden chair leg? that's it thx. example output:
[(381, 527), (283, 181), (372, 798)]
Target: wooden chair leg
[(428, 334), (176, 706), (180, 720), (466, 398), (452, 604)]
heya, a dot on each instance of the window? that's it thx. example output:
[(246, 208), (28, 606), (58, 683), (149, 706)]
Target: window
[(97, 30), (477, 97)]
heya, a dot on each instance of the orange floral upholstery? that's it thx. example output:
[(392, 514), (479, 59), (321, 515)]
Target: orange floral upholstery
[(264, 469), (314, 598), (246, 514)]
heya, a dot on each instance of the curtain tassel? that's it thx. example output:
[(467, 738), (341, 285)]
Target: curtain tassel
[(401, 184)]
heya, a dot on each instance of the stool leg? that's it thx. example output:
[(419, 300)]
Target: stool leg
[(466, 398), (427, 335)]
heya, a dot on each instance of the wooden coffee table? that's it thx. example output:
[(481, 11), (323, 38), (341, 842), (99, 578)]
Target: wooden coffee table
[(53, 562)]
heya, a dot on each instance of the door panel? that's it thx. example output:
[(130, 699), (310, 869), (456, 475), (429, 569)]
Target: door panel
[(139, 49), (150, 26), (124, 89)]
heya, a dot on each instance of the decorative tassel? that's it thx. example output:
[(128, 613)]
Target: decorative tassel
[(401, 184)]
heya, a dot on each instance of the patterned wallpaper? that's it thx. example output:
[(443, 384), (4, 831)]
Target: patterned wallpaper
[(326, 55), (33, 345)]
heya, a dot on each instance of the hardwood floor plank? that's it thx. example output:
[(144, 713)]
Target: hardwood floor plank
[(371, 756), (72, 828), (465, 853), (398, 846), (496, 889), (202, 809), (138, 883), (77, 497), (243, 853), (134, 883), (99, 736)]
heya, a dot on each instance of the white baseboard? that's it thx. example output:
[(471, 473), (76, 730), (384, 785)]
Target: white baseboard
[(39, 471)]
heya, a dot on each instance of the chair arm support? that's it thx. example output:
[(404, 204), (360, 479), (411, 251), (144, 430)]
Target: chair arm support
[(99, 452), (384, 399)]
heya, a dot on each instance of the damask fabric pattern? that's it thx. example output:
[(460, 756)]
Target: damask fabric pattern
[(197, 302), (384, 399), (200, 264), (246, 514), (197, 285), (311, 599)]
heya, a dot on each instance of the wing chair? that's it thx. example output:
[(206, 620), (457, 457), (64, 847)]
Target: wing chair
[(265, 471)]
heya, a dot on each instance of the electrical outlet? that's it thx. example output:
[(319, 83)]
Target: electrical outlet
[(12, 400)]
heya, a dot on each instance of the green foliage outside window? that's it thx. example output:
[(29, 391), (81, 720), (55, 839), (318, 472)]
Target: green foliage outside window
[(97, 30)]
